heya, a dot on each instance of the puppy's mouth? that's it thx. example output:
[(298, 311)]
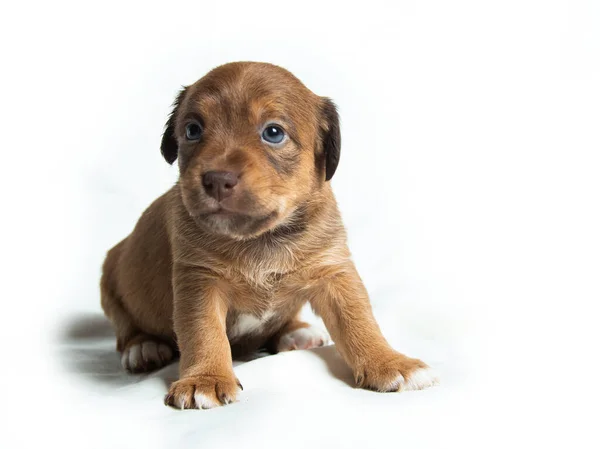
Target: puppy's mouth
[(240, 216), (239, 225), (221, 211)]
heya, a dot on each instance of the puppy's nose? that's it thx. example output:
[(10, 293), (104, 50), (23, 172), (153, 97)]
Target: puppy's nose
[(219, 184)]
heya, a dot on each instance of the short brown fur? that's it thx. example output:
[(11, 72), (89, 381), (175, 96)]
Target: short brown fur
[(188, 269)]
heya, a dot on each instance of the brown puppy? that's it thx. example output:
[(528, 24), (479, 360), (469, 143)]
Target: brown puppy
[(224, 261)]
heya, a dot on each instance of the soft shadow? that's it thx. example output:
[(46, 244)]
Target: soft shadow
[(87, 327), (87, 349), (336, 365)]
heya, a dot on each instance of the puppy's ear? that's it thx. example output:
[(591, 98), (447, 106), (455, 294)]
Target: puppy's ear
[(332, 139), (168, 146)]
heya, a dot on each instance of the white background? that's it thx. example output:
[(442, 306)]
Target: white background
[(469, 184)]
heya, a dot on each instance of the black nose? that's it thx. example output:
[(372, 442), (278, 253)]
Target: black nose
[(219, 184)]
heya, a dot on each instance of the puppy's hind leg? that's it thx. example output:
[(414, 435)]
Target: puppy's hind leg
[(140, 352)]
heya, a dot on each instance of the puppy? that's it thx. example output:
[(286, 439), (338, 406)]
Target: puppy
[(223, 262)]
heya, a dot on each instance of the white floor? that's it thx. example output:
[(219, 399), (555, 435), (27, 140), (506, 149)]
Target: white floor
[(296, 399)]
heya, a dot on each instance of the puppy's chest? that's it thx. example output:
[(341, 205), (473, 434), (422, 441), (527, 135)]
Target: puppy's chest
[(250, 324), (261, 308)]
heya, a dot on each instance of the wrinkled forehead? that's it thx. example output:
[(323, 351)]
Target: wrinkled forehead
[(231, 95)]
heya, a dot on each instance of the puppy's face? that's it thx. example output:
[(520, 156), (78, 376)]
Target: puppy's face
[(253, 144)]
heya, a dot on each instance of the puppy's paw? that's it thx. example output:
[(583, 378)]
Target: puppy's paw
[(396, 373), (302, 338), (203, 392), (141, 356)]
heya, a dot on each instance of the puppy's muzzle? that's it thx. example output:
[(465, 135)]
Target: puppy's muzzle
[(219, 184)]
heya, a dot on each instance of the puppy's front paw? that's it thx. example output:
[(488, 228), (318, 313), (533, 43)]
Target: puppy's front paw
[(203, 392), (396, 373), (302, 338)]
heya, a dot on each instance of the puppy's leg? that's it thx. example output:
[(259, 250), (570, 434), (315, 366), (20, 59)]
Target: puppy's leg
[(341, 299), (296, 334), (205, 368), (140, 352)]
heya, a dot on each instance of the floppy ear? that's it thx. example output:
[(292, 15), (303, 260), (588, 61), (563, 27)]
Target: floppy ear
[(332, 139), (168, 146)]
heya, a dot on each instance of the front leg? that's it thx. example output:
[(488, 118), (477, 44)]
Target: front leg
[(341, 299), (206, 377)]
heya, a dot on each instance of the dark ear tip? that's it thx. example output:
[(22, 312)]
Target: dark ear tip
[(332, 140), (169, 159), (331, 164), (168, 146)]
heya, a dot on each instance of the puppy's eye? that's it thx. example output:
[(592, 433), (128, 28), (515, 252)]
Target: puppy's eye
[(273, 134), (193, 131)]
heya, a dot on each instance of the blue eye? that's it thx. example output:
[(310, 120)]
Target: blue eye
[(273, 134), (193, 131)]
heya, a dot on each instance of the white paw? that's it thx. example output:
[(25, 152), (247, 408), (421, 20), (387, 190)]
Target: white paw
[(418, 380), (201, 401), (204, 402), (303, 338), (146, 356)]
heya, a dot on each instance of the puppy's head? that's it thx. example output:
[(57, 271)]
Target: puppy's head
[(253, 145)]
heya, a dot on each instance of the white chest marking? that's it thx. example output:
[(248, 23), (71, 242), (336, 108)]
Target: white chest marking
[(249, 324)]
